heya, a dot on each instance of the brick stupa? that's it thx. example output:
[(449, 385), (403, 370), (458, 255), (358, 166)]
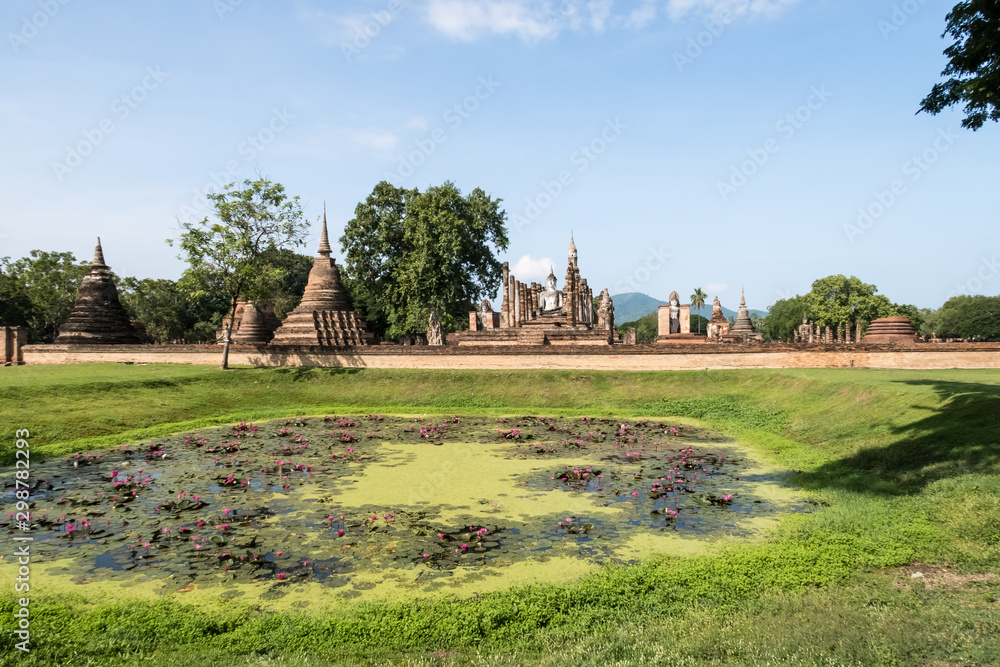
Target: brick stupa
[(743, 328), (890, 330), (325, 317), (254, 326), (98, 317)]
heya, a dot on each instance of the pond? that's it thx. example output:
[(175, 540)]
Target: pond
[(380, 506)]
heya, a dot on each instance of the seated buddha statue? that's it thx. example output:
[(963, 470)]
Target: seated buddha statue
[(550, 300)]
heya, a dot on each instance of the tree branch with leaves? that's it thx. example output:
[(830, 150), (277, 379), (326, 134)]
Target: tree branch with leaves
[(233, 254)]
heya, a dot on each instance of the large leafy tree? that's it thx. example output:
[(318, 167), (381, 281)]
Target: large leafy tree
[(159, 304), (973, 317), (295, 269), (834, 300), (407, 252), (14, 303), (784, 317), (973, 64), (234, 253), (39, 291)]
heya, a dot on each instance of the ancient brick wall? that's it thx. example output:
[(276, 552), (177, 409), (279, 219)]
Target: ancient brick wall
[(618, 357)]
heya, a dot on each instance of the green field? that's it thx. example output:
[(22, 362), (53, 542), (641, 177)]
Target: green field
[(903, 466)]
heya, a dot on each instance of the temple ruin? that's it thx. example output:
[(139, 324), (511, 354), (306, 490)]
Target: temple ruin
[(890, 330), (537, 315), (324, 317), (718, 326), (252, 325), (673, 323), (98, 317), (743, 330)]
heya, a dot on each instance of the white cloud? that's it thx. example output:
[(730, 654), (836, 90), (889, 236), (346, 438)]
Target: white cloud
[(716, 288), (528, 269), (468, 20), (600, 11), (533, 20), (374, 139), (678, 8), (641, 16)]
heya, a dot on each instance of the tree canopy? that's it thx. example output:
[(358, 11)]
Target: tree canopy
[(408, 251), (973, 64), (39, 291), (832, 301), (646, 327), (236, 254), (970, 317)]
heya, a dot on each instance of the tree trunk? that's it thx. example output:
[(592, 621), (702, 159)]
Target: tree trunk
[(227, 336)]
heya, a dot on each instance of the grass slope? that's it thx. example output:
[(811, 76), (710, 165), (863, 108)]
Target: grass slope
[(906, 467)]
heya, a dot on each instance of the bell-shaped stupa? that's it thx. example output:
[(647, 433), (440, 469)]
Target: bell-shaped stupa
[(98, 317), (324, 317), (743, 326)]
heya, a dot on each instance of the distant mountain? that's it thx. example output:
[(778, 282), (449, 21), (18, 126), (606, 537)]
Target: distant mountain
[(633, 305)]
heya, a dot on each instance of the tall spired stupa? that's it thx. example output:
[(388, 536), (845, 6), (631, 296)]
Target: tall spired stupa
[(325, 317), (743, 327), (98, 317)]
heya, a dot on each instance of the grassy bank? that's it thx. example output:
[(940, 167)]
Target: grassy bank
[(906, 467)]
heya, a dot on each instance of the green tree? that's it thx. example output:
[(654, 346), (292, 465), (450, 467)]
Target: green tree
[(14, 303), (834, 300), (232, 254), (295, 269), (698, 302), (931, 320), (973, 64), (159, 304), (838, 299), (408, 251), (784, 317), (646, 328), (970, 317), (42, 289), (760, 325), (700, 321)]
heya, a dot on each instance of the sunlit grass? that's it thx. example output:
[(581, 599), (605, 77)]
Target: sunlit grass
[(903, 467)]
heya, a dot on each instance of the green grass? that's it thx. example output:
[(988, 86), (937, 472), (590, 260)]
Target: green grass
[(905, 467)]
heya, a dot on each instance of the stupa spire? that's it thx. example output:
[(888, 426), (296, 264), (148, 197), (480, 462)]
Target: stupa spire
[(98, 262), (743, 301), (324, 239)]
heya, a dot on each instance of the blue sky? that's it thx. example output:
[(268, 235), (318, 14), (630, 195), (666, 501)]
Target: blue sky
[(686, 143)]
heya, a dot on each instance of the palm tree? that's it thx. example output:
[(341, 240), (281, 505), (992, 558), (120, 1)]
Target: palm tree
[(698, 302)]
